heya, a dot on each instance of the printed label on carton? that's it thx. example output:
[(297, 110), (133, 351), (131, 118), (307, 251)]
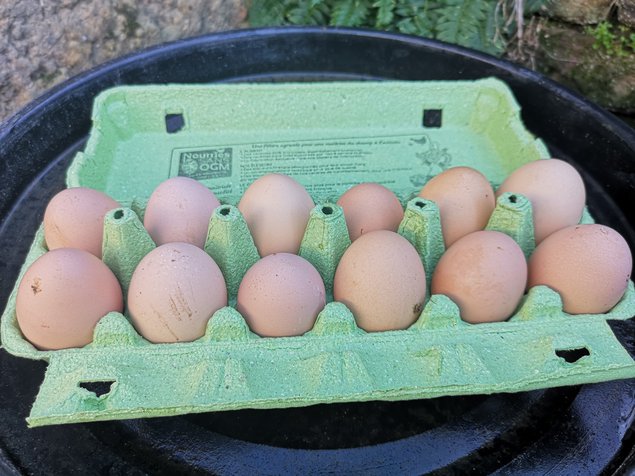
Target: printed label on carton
[(230, 169), (206, 164)]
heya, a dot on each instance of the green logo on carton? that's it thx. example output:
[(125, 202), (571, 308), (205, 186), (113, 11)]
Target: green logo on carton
[(206, 164)]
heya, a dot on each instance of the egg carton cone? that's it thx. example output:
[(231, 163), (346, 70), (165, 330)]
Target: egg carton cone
[(329, 137)]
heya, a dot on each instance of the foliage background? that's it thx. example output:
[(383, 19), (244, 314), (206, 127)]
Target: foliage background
[(485, 25)]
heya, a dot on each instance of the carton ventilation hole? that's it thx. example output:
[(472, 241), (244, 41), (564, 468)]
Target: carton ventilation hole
[(432, 117), (98, 388), (420, 204), (513, 199), (224, 211), (118, 215), (573, 355), (327, 210), (174, 123)]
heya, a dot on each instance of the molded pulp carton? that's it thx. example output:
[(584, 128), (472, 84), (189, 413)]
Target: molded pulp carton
[(328, 136)]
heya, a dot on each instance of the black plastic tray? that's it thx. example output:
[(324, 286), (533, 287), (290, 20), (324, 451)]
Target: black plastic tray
[(572, 430)]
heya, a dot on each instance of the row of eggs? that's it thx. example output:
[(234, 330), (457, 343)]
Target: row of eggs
[(276, 208), (177, 287)]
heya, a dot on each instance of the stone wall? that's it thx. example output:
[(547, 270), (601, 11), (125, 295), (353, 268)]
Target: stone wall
[(561, 44), (43, 42)]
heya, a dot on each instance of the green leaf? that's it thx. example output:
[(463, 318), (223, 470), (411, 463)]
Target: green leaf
[(308, 13), (461, 22), (426, 23), (267, 12), (407, 26), (350, 12), (385, 13), (492, 38)]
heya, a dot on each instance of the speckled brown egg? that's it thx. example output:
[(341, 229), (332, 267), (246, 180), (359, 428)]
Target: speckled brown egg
[(173, 293), (485, 274), (369, 207), (465, 199), (381, 279), (63, 295), (589, 265), (281, 295)]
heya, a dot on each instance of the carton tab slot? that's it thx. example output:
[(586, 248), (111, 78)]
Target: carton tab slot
[(174, 123), (432, 117), (99, 388), (573, 355)]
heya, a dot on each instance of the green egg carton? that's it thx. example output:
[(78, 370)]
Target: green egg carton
[(328, 136)]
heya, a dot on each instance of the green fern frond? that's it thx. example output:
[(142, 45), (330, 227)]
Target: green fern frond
[(267, 13), (315, 12), (409, 8), (417, 17), (350, 12), (460, 21), (407, 26), (385, 12), (486, 25), (492, 38)]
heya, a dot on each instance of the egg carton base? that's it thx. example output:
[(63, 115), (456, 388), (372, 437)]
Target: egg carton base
[(399, 365)]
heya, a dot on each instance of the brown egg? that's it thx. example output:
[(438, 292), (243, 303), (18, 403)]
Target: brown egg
[(381, 279), (179, 210), (74, 218), (62, 296), (276, 209), (465, 199), (173, 292), (556, 192), (369, 207), (589, 265), (485, 274), (281, 295)]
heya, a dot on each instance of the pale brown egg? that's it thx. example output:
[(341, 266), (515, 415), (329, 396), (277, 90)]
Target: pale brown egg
[(74, 218), (62, 296), (381, 279), (369, 207), (179, 210), (173, 293), (281, 295), (556, 192), (276, 209), (465, 199), (485, 274), (589, 265)]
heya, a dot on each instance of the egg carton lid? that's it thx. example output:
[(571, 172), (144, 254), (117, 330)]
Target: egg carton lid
[(328, 136)]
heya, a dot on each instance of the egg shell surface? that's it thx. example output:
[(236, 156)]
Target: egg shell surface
[(556, 192), (74, 218), (485, 274), (179, 210), (465, 199), (276, 209), (369, 207), (173, 293), (588, 265), (281, 295), (381, 279), (62, 296)]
